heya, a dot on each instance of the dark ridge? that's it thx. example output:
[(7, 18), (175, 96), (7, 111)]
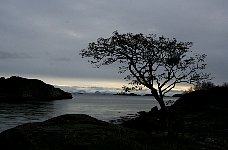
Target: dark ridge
[(177, 95), (127, 94), (201, 115), (17, 89), (82, 132), (201, 100)]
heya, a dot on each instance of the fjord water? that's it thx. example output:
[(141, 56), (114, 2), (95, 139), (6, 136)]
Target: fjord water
[(103, 107)]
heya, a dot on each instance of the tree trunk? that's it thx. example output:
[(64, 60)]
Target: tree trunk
[(163, 111), (158, 98)]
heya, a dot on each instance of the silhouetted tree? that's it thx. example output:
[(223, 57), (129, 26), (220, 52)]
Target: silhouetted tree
[(225, 84), (157, 63), (203, 86)]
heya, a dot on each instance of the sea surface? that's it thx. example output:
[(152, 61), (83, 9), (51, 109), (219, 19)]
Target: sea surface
[(103, 107)]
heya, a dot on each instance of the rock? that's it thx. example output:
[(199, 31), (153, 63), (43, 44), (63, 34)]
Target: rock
[(17, 89), (70, 132), (177, 95), (82, 132), (154, 110)]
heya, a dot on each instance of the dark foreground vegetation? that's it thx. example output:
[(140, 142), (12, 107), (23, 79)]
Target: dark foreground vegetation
[(198, 120), (17, 89), (201, 115)]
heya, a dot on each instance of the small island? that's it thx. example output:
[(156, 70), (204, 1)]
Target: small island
[(126, 94), (18, 89)]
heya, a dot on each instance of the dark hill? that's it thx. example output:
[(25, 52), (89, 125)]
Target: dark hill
[(82, 132), (19, 89), (201, 100), (201, 115)]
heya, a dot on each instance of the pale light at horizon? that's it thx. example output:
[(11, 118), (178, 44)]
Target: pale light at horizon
[(115, 84), (43, 40)]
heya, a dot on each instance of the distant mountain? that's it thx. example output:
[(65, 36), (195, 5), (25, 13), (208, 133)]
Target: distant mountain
[(108, 90), (22, 89), (89, 90)]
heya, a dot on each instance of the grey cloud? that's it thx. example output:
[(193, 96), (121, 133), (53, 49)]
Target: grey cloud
[(62, 59), (52, 32), (9, 55)]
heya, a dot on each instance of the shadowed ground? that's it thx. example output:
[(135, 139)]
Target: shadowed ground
[(84, 132)]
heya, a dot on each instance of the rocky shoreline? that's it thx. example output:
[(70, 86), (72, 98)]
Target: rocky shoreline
[(18, 89), (198, 120), (84, 133)]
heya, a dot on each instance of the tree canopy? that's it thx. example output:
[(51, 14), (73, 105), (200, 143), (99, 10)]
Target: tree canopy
[(157, 63)]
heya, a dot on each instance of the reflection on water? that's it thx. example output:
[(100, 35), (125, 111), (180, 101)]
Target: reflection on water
[(104, 107), (15, 114)]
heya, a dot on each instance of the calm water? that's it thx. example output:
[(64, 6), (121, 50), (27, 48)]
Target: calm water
[(104, 107)]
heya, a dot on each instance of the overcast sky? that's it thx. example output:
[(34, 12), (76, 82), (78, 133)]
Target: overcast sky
[(42, 38)]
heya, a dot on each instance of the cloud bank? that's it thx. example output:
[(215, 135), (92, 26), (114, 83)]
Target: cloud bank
[(43, 38)]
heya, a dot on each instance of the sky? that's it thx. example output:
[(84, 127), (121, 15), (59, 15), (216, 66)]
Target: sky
[(42, 38)]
